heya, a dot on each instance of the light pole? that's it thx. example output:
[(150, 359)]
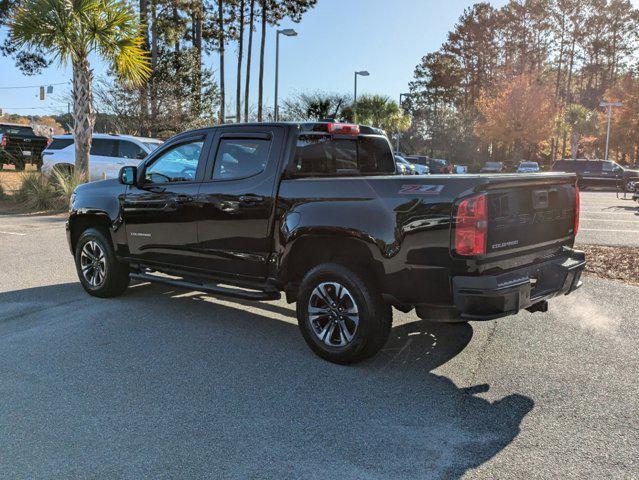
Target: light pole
[(609, 105), (401, 95), (289, 32), (363, 73)]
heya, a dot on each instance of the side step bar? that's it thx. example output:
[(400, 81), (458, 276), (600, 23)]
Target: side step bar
[(210, 288)]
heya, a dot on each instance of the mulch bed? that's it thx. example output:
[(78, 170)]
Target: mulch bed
[(612, 263), (10, 179)]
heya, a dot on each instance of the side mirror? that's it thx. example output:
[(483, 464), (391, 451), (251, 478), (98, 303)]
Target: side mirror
[(128, 175), (141, 155)]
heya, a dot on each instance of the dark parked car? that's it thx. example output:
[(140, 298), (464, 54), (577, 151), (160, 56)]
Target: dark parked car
[(492, 167), (315, 210), (19, 145), (598, 173), (434, 165)]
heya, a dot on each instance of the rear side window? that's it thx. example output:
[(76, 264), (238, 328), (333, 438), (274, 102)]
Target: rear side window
[(60, 143), (326, 155), (104, 147), (130, 150), (240, 158)]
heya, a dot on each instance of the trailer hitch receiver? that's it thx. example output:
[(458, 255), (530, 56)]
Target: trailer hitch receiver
[(539, 307)]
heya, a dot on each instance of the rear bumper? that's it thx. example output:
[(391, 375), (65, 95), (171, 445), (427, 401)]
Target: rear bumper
[(490, 297)]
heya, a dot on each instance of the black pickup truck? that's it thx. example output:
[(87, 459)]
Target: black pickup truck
[(316, 211), (19, 145)]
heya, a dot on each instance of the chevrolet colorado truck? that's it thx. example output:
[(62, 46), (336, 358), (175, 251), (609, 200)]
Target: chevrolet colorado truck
[(316, 211), (19, 145)]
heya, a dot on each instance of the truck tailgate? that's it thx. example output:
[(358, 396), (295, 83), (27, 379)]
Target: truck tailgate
[(529, 211)]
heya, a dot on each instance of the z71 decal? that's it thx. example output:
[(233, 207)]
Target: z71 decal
[(421, 189)]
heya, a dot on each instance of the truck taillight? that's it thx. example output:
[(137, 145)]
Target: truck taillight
[(471, 226), (577, 206), (343, 128)]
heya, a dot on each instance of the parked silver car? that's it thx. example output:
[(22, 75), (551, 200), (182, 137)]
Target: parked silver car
[(528, 167), (108, 154)]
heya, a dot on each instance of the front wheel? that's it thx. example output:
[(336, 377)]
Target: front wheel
[(99, 271), (342, 317)]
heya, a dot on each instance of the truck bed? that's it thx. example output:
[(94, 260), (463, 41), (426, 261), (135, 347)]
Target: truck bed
[(408, 223)]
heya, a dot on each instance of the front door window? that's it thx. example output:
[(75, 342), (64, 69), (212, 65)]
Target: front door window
[(178, 164)]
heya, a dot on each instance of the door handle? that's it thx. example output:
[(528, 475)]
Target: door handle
[(251, 199), (174, 202)]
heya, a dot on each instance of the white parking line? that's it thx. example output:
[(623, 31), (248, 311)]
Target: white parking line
[(599, 212), (606, 230), (12, 233), (608, 220)]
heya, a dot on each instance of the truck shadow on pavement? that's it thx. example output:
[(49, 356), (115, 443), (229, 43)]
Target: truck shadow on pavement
[(164, 383)]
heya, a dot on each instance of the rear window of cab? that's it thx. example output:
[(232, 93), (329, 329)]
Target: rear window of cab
[(16, 130), (328, 155)]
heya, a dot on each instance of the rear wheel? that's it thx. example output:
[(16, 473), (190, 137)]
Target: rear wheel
[(20, 165), (342, 317), (99, 271)]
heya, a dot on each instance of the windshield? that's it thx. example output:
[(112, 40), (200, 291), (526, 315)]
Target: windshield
[(529, 165), (493, 164)]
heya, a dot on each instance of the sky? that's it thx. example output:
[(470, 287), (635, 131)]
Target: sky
[(334, 40)]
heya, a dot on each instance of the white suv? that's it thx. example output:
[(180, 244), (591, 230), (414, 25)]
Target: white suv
[(109, 153)]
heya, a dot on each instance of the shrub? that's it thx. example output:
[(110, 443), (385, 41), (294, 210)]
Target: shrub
[(37, 193), (65, 183)]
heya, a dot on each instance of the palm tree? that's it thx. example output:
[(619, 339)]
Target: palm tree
[(378, 111), (582, 122), (71, 30)]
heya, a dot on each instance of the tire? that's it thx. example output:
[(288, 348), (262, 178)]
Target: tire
[(357, 331), (105, 278), (20, 165)]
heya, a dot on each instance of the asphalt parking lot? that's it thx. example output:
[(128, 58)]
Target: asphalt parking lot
[(608, 220), (162, 383)]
